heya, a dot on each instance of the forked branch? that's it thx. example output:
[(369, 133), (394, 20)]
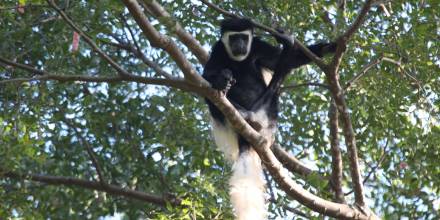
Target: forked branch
[(164, 42)]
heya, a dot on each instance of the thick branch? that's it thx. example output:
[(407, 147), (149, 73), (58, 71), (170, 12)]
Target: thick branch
[(111, 189), (164, 42), (338, 95), (272, 31), (194, 46), (89, 41), (350, 140), (336, 177)]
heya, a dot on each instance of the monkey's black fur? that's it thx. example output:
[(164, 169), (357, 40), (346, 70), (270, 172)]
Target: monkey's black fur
[(243, 80)]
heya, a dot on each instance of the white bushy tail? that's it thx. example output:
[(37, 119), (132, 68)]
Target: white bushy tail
[(248, 187)]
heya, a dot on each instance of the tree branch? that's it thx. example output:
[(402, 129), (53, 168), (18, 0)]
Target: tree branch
[(108, 188), (284, 88), (348, 34), (174, 82), (336, 177), (338, 95), (164, 42), (24, 6), (358, 22), (89, 41), (22, 66), (364, 70), (140, 55), (193, 45), (89, 152), (291, 163), (374, 169)]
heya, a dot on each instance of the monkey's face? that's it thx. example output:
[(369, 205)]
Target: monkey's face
[(237, 44)]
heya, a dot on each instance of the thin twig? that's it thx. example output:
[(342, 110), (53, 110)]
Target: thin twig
[(89, 152), (364, 70), (295, 86), (89, 41), (359, 21), (137, 52), (374, 169), (269, 184), (23, 6)]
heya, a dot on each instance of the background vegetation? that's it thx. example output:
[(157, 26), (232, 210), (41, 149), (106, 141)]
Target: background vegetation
[(156, 139)]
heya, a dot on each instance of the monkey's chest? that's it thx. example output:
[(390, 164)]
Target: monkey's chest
[(247, 90)]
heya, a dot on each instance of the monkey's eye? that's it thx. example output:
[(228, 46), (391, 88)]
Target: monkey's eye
[(240, 37)]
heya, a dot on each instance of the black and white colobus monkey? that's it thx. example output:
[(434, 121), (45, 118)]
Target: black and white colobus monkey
[(240, 65)]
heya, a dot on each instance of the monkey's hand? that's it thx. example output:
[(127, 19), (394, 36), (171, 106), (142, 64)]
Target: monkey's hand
[(224, 81), (284, 38), (321, 48)]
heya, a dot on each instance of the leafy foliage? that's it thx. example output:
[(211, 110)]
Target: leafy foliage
[(157, 140)]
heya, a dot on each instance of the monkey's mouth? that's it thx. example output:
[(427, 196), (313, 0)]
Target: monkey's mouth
[(240, 51)]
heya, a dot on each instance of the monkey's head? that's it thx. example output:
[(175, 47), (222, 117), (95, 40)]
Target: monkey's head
[(237, 37)]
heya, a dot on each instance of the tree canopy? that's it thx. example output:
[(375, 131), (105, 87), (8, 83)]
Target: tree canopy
[(102, 110)]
